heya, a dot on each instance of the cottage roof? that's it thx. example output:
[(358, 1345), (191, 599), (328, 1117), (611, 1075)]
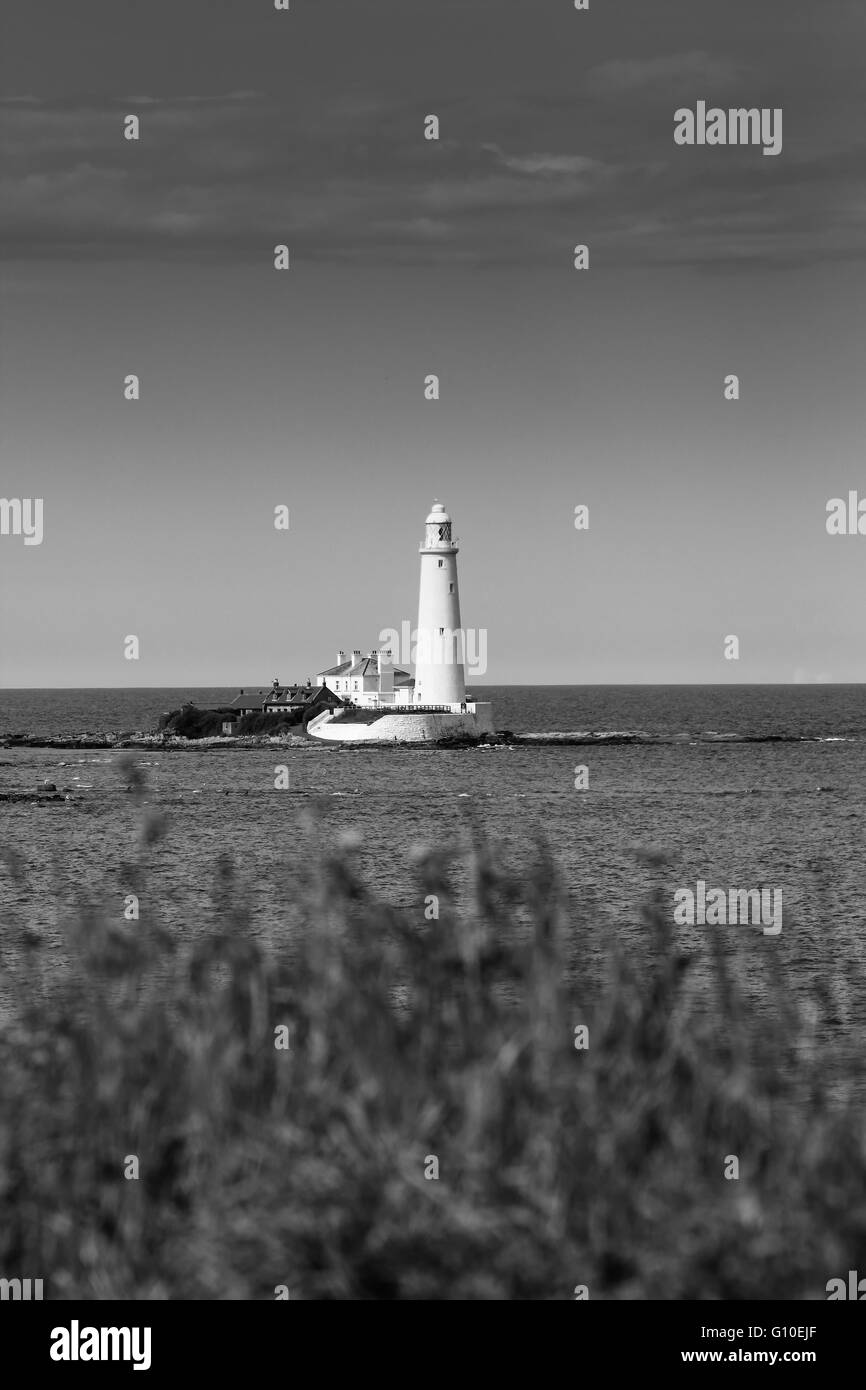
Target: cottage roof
[(335, 670), (251, 699), (296, 696), (366, 666), (369, 667)]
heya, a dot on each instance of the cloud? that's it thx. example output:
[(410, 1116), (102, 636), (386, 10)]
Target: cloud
[(546, 163), (665, 75), (231, 175)]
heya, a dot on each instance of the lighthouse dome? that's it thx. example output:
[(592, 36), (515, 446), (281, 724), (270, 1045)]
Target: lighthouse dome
[(437, 515)]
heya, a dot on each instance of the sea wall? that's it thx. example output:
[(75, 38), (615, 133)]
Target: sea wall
[(405, 728)]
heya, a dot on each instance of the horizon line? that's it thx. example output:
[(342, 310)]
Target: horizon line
[(497, 685)]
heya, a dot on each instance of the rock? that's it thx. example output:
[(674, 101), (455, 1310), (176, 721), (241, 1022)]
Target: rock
[(48, 787), (43, 797)]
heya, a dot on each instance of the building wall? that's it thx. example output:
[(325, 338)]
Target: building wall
[(406, 728)]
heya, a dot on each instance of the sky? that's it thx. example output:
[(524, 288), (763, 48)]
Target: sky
[(305, 388)]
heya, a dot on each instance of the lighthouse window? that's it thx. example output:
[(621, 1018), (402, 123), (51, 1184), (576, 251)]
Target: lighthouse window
[(441, 632), (441, 563), (451, 588)]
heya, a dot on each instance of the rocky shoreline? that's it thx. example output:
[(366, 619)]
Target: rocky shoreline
[(149, 741), (36, 798), (171, 742)]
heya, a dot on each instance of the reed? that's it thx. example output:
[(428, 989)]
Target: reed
[(411, 1040)]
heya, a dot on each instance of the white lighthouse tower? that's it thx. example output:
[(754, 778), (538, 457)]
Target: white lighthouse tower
[(440, 644)]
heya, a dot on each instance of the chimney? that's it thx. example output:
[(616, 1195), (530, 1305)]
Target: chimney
[(386, 672), (356, 653), (341, 657)]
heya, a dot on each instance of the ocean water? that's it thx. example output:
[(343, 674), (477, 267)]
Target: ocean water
[(675, 712), (746, 787)]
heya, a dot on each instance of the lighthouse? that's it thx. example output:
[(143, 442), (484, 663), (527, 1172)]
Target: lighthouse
[(440, 649), (381, 704)]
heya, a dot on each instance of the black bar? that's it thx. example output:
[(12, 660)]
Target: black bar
[(229, 1338)]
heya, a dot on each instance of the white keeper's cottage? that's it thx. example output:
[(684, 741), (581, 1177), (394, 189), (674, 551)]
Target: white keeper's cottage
[(364, 679)]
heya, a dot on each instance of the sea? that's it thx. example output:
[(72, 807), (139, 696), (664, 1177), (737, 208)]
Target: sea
[(633, 789)]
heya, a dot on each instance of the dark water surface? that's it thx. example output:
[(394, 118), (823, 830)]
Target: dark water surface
[(676, 711), (744, 787)]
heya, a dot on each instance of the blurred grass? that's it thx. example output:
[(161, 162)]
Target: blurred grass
[(411, 1039)]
